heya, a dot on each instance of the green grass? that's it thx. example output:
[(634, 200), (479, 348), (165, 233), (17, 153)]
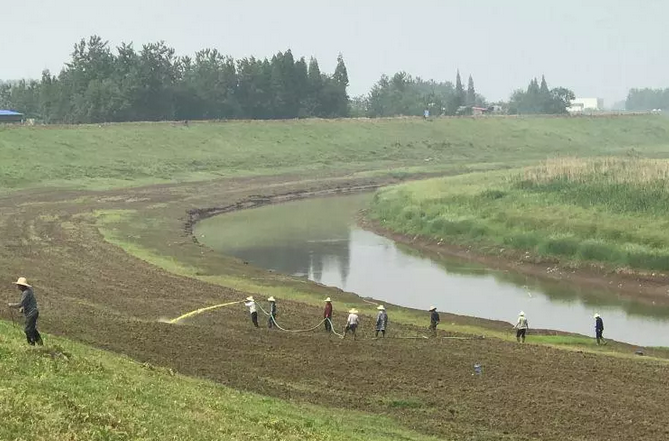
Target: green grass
[(610, 211), (68, 391), (122, 155)]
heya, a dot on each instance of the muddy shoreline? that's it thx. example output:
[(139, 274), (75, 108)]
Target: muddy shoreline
[(648, 288)]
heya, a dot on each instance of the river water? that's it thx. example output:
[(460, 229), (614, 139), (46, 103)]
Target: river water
[(318, 239)]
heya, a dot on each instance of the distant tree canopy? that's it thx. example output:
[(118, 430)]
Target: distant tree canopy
[(647, 99), (539, 99), (403, 94), (151, 84)]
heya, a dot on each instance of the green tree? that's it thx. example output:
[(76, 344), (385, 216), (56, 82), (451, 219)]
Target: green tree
[(539, 99), (460, 97), (471, 92)]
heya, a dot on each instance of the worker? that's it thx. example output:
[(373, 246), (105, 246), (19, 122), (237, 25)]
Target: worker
[(521, 327), (434, 320), (28, 306), (381, 321), (251, 304), (599, 329), (327, 314), (272, 312), (351, 323)]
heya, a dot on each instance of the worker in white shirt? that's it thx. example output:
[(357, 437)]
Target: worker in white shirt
[(381, 321), (521, 327), (251, 304), (351, 323)]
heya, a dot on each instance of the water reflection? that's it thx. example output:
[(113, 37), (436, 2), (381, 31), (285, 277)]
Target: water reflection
[(316, 239)]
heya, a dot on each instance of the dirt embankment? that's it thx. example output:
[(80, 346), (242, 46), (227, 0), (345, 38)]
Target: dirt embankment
[(92, 291), (652, 288)]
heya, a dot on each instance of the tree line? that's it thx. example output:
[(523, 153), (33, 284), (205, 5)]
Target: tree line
[(640, 100), (539, 99), (101, 84), (403, 94), (152, 84)]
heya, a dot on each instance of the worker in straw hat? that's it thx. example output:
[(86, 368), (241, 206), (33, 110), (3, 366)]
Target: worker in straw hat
[(521, 327), (253, 309), (351, 323), (327, 314), (434, 320), (599, 329), (381, 321), (272, 312), (28, 306)]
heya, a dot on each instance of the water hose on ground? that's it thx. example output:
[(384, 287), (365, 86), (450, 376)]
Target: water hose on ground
[(290, 330)]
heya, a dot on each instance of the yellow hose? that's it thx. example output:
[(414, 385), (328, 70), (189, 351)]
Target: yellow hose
[(200, 311)]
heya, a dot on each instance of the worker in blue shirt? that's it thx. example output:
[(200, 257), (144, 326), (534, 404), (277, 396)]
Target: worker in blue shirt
[(28, 306), (599, 329)]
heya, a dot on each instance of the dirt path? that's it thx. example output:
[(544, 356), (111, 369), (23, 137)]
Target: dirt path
[(92, 291)]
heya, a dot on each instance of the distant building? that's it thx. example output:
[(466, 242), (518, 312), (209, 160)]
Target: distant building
[(479, 110), (580, 105), (9, 116)]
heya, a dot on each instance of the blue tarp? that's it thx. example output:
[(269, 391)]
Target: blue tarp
[(10, 113)]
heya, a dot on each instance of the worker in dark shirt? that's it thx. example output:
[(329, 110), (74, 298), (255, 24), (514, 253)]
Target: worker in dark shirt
[(434, 320), (599, 329), (28, 305), (327, 314), (272, 312)]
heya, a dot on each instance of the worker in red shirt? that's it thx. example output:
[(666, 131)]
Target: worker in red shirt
[(327, 314)]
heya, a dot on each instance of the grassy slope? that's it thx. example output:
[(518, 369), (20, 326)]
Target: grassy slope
[(608, 211), (95, 395), (124, 155)]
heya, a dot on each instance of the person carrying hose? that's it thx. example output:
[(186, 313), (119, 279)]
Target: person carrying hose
[(434, 320), (381, 321), (599, 329), (28, 306), (272, 312), (327, 314), (521, 327), (351, 323), (251, 304)]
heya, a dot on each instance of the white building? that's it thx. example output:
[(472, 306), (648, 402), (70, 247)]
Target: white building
[(580, 105)]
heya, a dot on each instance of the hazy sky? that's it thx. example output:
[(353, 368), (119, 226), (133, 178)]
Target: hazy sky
[(595, 47)]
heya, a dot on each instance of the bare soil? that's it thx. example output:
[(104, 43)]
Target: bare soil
[(94, 292)]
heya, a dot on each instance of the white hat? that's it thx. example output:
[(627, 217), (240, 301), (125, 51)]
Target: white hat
[(22, 282), (521, 313), (271, 299), (596, 315), (328, 299), (381, 307), (250, 299), (353, 311), (432, 308)]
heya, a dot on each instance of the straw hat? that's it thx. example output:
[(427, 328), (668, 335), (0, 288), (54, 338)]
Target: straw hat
[(432, 308), (271, 299), (328, 300), (521, 313), (381, 308), (596, 315), (353, 311), (250, 299), (22, 282)]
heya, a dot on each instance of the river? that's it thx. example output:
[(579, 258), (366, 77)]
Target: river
[(318, 239)]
